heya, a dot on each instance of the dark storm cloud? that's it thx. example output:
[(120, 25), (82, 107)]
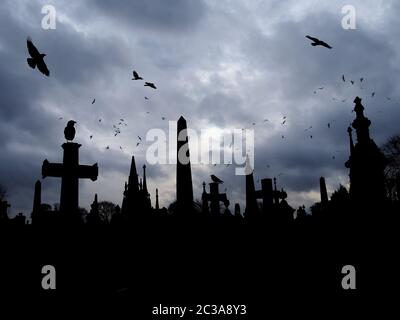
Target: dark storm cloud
[(159, 15)]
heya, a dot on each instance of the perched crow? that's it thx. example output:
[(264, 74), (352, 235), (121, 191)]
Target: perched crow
[(136, 76), (216, 179), (150, 84), (317, 42), (36, 58), (69, 131)]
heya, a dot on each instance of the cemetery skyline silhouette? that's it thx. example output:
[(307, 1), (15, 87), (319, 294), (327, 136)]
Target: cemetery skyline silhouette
[(366, 166)]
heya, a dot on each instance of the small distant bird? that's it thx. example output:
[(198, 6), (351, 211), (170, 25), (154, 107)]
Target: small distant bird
[(36, 58), (310, 137), (99, 120), (329, 125), (388, 98), (108, 148), (344, 80), (163, 118), (145, 98), (148, 112), (150, 84), (361, 79), (310, 127), (120, 147), (94, 100), (344, 100), (283, 137), (137, 144), (265, 120), (91, 137), (139, 138), (372, 94), (253, 123), (315, 92), (352, 82), (136, 76), (333, 157), (69, 131), (284, 121), (284, 118), (268, 166), (321, 88), (216, 179), (317, 42), (60, 118)]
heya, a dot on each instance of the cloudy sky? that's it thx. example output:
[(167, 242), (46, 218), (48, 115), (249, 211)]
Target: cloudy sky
[(221, 64)]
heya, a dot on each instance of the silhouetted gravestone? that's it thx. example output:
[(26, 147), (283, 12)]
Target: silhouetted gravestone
[(214, 197), (70, 171), (4, 210), (93, 218), (251, 200), (237, 211), (37, 203), (366, 163), (157, 204), (184, 187), (136, 203), (266, 194), (324, 193)]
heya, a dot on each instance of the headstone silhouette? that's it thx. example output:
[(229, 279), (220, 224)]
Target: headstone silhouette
[(214, 197), (136, 202), (366, 163), (37, 203), (324, 193), (157, 204), (4, 210), (251, 200), (184, 187), (70, 171), (266, 194)]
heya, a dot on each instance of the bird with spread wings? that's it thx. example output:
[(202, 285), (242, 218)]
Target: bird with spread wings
[(317, 42), (36, 58)]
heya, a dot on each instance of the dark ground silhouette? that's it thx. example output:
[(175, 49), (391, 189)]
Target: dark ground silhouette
[(200, 252)]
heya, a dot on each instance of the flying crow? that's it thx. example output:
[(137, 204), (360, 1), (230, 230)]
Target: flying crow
[(36, 58), (136, 76), (150, 84), (317, 42)]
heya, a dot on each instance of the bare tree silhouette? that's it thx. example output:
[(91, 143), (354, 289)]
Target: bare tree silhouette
[(391, 149)]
